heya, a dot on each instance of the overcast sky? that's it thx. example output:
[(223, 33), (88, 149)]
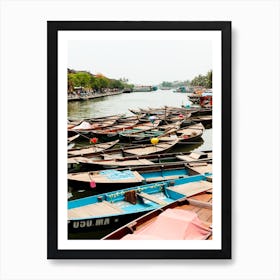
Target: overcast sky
[(142, 62)]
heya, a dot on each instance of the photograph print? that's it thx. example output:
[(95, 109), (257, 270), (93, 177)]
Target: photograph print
[(145, 108)]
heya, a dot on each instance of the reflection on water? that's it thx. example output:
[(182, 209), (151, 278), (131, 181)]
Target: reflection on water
[(119, 104)]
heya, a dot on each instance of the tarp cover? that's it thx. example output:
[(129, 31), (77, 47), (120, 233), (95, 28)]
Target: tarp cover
[(117, 175), (83, 125), (172, 224)]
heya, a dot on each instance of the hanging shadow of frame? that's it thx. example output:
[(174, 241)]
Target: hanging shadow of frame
[(108, 197)]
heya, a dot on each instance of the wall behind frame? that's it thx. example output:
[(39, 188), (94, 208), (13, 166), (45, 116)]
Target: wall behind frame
[(255, 96)]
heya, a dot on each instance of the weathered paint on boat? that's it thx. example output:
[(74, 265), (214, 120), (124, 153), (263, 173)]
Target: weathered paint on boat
[(114, 209)]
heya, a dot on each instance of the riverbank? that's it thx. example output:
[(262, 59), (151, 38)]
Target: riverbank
[(76, 97)]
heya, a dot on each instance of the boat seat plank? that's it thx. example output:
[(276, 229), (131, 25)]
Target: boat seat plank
[(73, 160), (144, 151), (85, 151), (159, 178), (127, 162), (199, 203), (112, 156), (203, 169), (96, 209), (198, 164), (151, 149), (151, 198), (194, 156), (205, 197), (193, 188)]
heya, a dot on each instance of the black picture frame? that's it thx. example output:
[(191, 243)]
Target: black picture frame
[(53, 27)]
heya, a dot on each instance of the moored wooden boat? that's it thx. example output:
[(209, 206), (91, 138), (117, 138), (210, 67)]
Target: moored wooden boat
[(164, 111), (95, 148), (142, 136), (165, 145), (114, 209), (112, 132), (72, 138), (190, 133), (86, 126), (147, 126), (206, 120), (105, 118), (188, 219), (115, 158), (138, 174)]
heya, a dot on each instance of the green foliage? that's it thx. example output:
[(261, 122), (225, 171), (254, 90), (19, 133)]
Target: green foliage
[(204, 81), (175, 84), (94, 82), (166, 84)]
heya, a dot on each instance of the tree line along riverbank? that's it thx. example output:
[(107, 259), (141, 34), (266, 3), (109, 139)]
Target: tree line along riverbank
[(83, 84)]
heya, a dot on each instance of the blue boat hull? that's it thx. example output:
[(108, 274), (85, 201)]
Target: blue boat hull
[(130, 210), (97, 225)]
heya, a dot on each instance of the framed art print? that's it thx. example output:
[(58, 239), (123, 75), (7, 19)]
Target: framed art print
[(139, 140)]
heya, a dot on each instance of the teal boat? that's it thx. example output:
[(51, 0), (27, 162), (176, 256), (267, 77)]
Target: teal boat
[(109, 211), (138, 175)]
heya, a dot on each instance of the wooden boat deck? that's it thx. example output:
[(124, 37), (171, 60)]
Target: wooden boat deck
[(117, 162), (97, 209), (151, 198), (192, 188), (93, 149), (202, 118), (193, 157), (162, 178), (73, 138), (201, 204), (101, 178), (201, 167), (151, 149), (73, 160), (191, 129), (204, 213), (116, 128)]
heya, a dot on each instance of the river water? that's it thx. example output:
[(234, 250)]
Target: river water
[(120, 104)]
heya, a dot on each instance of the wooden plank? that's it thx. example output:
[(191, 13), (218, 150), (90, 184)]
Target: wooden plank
[(151, 198), (201, 204), (206, 197), (96, 209), (203, 169), (100, 178), (113, 156), (73, 138), (195, 156), (159, 178), (72, 160), (125, 162), (185, 158), (113, 206), (93, 149), (190, 189), (151, 149), (197, 164)]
